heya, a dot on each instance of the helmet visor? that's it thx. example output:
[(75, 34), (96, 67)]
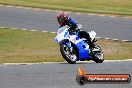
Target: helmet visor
[(61, 20)]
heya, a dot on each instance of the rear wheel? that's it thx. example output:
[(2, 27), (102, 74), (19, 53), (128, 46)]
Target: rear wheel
[(97, 54), (69, 54)]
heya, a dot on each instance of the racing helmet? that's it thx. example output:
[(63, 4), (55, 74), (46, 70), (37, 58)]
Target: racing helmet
[(62, 18)]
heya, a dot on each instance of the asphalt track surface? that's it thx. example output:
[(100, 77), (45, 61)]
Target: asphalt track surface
[(62, 75), (105, 26), (59, 75)]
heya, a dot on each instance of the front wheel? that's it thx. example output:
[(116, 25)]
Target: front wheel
[(97, 54), (68, 54)]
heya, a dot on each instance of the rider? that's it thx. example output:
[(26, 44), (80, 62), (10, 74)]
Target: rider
[(64, 19)]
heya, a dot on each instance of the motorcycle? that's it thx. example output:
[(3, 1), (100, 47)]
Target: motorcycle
[(74, 49)]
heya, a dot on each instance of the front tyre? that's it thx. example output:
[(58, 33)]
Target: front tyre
[(97, 55), (68, 54)]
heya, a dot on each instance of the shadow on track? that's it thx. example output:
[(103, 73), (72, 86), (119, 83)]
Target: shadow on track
[(82, 62)]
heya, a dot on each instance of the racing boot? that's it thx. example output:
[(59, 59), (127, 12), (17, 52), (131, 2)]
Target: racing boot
[(92, 45)]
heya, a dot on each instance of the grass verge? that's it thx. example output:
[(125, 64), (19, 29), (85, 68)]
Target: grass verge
[(17, 46), (118, 7)]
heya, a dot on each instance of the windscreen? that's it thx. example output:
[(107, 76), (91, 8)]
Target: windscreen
[(60, 30)]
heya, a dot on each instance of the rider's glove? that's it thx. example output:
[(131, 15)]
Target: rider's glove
[(77, 30)]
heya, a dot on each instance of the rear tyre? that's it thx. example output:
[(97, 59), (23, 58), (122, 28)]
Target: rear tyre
[(69, 55), (98, 55)]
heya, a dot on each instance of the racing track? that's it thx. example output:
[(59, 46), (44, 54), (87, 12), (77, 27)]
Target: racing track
[(105, 26), (59, 75), (62, 75)]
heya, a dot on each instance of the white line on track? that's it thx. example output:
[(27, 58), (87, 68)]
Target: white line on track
[(127, 17), (2, 27), (78, 13), (111, 16), (52, 32), (24, 29), (27, 8), (115, 39), (9, 6), (44, 31), (37, 9), (107, 38), (101, 15), (1, 5), (63, 62), (125, 40), (48, 10), (92, 14), (19, 7), (32, 30), (56, 32)]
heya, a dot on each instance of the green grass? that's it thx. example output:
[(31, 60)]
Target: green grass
[(26, 46), (118, 7), (17, 46), (116, 49)]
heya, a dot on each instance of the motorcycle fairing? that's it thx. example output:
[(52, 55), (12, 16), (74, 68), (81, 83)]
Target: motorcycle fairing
[(83, 49)]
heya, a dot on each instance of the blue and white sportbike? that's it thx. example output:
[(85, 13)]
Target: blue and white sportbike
[(75, 49)]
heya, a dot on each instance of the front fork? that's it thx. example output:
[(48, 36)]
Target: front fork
[(69, 45)]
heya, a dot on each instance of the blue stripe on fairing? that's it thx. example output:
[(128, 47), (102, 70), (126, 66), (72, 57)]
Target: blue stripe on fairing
[(55, 40), (65, 33), (83, 54)]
